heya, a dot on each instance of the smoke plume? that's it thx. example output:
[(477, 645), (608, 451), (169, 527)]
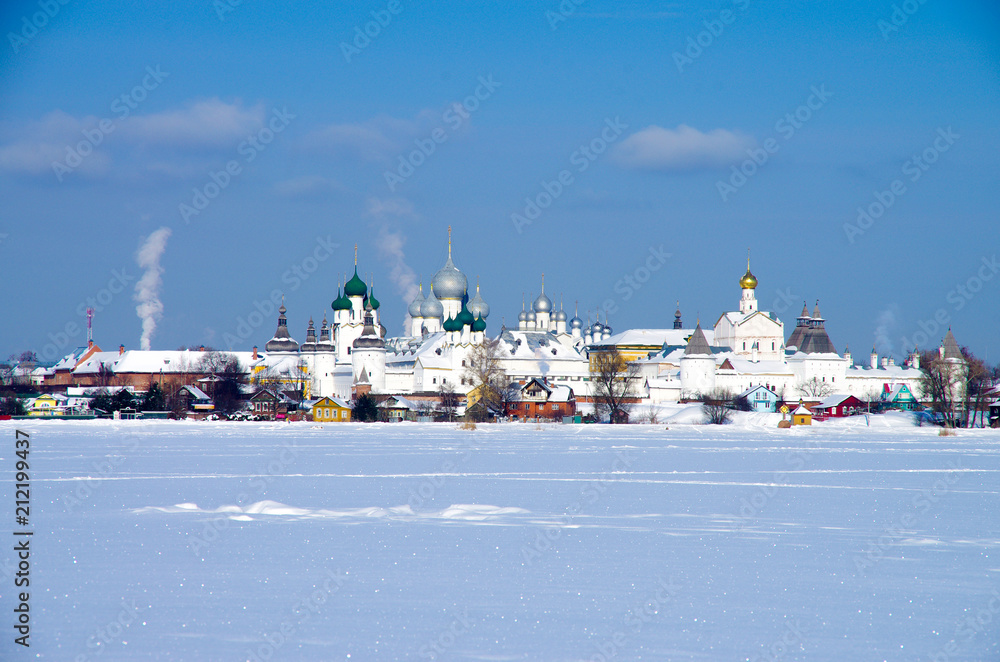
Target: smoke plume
[(885, 325), (390, 245), (147, 290)]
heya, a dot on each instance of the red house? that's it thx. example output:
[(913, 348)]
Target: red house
[(539, 399), (838, 406)]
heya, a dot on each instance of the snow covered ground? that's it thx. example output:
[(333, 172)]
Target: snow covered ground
[(236, 541)]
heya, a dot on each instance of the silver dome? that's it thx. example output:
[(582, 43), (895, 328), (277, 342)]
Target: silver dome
[(576, 323), (531, 316), (560, 316), (431, 307), (478, 307), (542, 304), (450, 283), (522, 316), (415, 305)]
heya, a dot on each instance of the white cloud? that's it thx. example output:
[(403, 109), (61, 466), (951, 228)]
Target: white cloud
[(377, 139), (33, 147), (208, 123), (173, 142), (306, 186), (683, 148)]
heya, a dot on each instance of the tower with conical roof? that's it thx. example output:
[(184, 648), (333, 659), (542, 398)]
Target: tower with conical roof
[(697, 366), (677, 317), (282, 342), (368, 354), (324, 362)]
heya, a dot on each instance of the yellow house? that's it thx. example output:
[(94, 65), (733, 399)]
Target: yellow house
[(46, 405), (331, 410), (802, 416)]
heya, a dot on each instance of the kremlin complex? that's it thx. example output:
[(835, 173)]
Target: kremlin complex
[(351, 352)]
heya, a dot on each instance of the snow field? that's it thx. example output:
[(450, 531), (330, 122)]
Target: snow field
[(846, 540)]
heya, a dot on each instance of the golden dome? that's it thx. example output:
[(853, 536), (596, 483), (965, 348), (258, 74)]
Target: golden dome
[(749, 281)]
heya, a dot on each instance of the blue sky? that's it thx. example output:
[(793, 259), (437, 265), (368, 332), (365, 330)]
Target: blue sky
[(842, 104)]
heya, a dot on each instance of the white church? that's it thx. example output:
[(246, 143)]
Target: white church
[(746, 348)]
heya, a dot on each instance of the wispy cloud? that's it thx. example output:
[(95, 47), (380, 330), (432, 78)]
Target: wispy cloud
[(203, 124), (167, 142), (378, 139), (683, 148)]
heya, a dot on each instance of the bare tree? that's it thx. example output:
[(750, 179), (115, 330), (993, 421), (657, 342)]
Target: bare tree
[(978, 383), (717, 406), (942, 384), (613, 379), (227, 390), (484, 370), (447, 400), (814, 388)]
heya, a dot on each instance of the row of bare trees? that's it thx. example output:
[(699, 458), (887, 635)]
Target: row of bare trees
[(958, 391)]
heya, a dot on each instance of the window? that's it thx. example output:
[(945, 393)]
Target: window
[(434, 381), (463, 365)]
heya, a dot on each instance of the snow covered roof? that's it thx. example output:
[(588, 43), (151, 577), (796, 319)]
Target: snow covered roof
[(195, 392), (654, 337), (398, 402), (538, 345), (754, 389), (801, 410), (833, 400), (152, 361)]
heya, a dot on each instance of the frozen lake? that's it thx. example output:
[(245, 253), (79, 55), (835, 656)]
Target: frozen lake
[(236, 541)]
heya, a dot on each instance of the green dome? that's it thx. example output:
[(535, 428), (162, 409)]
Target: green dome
[(372, 300), (340, 303), (355, 287), (479, 324), (464, 318), (451, 324)]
